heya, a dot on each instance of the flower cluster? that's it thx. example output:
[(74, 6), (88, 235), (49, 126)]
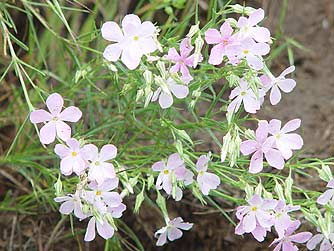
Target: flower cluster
[(260, 215), (275, 148), (93, 197)]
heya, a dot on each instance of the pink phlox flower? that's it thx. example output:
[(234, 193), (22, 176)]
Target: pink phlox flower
[(259, 233), (326, 244), (286, 242), (206, 181), (251, 51), (223, 39), (248, 27), (175, 166), (102, 197), (262, 146), (282, 219), (71, 203), (172, 231), (284, 140), (256, 216), (164, 93), (183, 60), (72, 158), (244, 94), (280, 83), (54, 119), (131, 43), (99, 168), (328, 195), (104, 229)]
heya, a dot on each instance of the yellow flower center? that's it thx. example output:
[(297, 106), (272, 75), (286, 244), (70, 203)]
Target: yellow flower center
[(201, 173), (55, 118), (246, 52), (166, 172), (97, 163), (98, 193), (254, 208), (243, 93), (74, 154), (225, 42), (278, 136), (136, 38)]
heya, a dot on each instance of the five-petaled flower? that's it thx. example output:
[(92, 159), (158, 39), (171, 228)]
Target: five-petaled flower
[(183, 60), (131, 43), (206, 181), (54, 119), (172, 231), (72, 157)]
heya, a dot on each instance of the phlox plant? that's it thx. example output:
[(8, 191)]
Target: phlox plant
[(128, 124)]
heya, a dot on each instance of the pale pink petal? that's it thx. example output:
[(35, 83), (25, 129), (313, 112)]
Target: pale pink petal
[(326, 245), (291, 125), (179, 91), (156, 94), (292, 141), (70, 114), (208, 181), (174, 161), (256, 200), (158, 166), (226, 29), (185, 47), (242, 21), (202, 163), (67, 207), (212, 36), (274, 126), (247, 147), (178, 194), (325, 197), (285, 151), (108, 152), (278, 247), (254, 62), (48, 133), (39, 116), (146, 29), (174, 233), (288, 246), (175, 68), (66, 166), (90, 152), (251, 104), (275, 95), (259, 233), (184, 71), (62, 151), (105, 230), (79, 165), (260, 34), (165, 100), (256, 17), (216, 55), (63, 130), (288, 71), (55, 103), (90, 232), (147, 45), (111, 32), (173, 55), (162, 239), (117, 212), (262, 131), (112, 52), (130, 23), (314, 241), (112, 199), (275, 158), (256, 164), (301, 237), (249, 223), (234, 105), (131, 59), (260, 49), (73, 144), (287, 85)]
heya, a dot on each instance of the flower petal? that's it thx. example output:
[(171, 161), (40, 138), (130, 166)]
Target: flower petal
[(112, 32), (212, 36), (39, 116), (67, 207), (70, 114), (256, 17), (63, 130), (287, 85), (165, 100), (48, 133), (180, 91), (55, 103), (256, 164), (247, 147), (90, 232), (108, 152), (291, 125), (174, 233), (275, 95), (275, 158), (112, 52), (62, 151)]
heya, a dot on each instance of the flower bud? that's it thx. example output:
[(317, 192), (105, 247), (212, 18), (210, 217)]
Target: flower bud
[(193, 30), (58, 186), (237, 8)]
